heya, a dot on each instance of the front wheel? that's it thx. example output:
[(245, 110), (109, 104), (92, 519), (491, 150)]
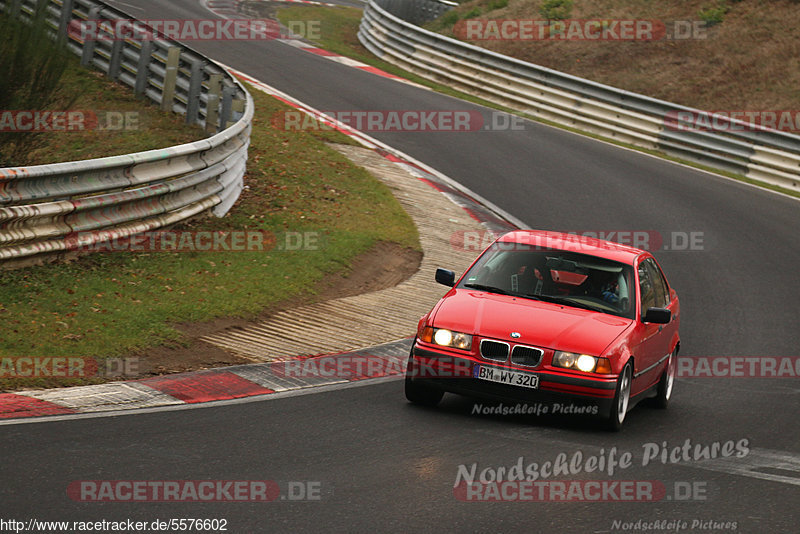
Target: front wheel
[(416, 392), (621, 398), (667, 380)]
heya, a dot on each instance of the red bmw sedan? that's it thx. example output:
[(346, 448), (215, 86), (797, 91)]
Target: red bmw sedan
[(554, 318)]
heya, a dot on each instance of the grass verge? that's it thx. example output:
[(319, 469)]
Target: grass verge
[(108, 304)]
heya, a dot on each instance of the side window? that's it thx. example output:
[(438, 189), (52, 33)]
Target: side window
[(647, 294), (659, 285)]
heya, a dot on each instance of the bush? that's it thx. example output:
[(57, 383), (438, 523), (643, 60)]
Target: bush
[(449, 18), (497, 4), (556, 9), (713, 15), (31, 65), (472, 13)]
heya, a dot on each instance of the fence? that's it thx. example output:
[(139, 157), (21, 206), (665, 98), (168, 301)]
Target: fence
[(767, 155), (49, 211)]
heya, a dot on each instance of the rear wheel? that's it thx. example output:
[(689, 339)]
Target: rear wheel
[(667, 381), (416, 392), (623, 394)]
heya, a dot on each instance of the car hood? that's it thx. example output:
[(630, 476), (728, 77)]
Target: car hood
[(541, 324)]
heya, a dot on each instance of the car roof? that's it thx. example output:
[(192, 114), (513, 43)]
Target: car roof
[(575, 243)]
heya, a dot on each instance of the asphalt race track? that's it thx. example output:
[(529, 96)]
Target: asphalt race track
[(376, 463)]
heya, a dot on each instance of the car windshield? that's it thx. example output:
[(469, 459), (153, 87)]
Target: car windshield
[(565, 277)]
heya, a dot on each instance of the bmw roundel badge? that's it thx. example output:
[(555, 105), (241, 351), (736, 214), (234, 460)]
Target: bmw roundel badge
[(515, 335)]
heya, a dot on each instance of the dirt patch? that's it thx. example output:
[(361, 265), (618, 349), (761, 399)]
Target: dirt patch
[(383, 266)]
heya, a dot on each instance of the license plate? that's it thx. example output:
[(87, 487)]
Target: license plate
[(503, 376)]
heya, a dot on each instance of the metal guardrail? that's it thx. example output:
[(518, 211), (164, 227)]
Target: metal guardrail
[(417, 11), (50, 211), (767, 155)]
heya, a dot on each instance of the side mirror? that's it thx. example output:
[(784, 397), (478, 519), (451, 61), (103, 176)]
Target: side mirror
[(445, 277), (657, 316)]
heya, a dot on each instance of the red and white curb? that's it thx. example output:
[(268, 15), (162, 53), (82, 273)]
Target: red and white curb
[(387, 360), (224, 8), (344, 60), (310, 2), (227, 9)]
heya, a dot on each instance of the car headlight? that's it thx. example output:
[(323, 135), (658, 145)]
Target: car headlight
[(581, 362), (448, 338)]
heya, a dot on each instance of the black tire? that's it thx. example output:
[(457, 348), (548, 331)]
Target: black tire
[(619, 408), (419, 394), (667, 382), (416, 392)]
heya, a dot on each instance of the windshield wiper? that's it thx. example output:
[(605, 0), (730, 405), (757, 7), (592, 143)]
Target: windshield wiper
[(570, 302), (491, 289)]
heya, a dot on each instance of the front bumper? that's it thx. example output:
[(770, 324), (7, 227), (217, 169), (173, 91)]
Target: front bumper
[(454, 373)]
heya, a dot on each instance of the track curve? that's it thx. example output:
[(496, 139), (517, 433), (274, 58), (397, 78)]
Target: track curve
[(385, 465)]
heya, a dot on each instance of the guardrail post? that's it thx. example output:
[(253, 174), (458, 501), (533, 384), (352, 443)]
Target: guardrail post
[(88, 45), (143, 67), (226, 108), (116, 58), (170, 78), (237, 106), (63, 23), (195, 88), (212, 104)]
